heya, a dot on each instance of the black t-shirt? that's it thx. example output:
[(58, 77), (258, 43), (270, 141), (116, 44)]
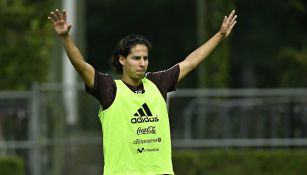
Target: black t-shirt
[(104, 89)]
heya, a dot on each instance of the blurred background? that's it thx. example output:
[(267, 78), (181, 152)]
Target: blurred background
[(243, 111)]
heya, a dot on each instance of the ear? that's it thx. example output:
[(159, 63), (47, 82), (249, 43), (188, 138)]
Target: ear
[(122, 60)]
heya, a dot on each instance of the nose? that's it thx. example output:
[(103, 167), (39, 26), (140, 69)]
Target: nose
[(142, 62)]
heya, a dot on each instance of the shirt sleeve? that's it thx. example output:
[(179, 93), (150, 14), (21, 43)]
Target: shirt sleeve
[(104, 89), (165, 80)]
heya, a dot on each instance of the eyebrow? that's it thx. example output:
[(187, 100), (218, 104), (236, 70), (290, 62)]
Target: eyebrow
[(135, 56)]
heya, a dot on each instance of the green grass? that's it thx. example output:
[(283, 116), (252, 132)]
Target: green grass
[(11, 166), (240, 162)]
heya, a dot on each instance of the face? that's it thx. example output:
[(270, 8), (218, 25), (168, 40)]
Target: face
[(135, 64)]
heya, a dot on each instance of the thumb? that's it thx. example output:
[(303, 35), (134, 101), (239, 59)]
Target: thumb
[(69, 26)]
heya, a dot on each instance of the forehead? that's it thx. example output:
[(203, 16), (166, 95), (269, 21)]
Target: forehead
[(139, 49)]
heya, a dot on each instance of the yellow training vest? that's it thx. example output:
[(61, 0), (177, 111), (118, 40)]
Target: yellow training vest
[(136, 133)]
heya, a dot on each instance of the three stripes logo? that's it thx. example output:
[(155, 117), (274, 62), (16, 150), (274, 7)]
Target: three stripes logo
[(144, 115)]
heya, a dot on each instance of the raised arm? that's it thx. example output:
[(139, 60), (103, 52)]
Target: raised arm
[(201, 53), (62, 28)]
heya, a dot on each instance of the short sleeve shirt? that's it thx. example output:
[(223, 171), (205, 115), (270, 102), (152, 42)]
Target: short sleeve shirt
[(104, 89)]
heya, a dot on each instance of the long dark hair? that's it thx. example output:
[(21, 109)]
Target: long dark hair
[(123, 48)]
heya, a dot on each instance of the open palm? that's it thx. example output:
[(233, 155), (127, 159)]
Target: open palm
[(228, 23), (59, 22)]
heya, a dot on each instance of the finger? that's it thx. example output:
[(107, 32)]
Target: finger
[(52, 20), (230, 17), (230, 29), (225, 20), (233, 24), (52, 16), (64, 14), (232, 13), (69, 26), (58, 14), (233, 19)]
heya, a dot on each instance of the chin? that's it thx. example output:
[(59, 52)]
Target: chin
[(140, 76)]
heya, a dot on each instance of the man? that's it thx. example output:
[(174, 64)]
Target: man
[(133, 114)]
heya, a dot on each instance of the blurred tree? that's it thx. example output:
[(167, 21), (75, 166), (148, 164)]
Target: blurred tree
[(265, 32), (249, 58), (293, 67), (168, 24), (216, 67), (24, 43), (293, 59)]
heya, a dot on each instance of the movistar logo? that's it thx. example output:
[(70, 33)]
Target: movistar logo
[(142, 150), (144, 115)]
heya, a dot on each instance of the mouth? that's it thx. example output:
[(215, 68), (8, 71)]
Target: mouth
[(141, 71)]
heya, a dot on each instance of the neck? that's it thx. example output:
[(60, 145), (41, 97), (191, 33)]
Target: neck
[(132, 82)]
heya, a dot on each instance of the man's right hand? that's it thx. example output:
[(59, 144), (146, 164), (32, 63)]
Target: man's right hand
[(59, 22)]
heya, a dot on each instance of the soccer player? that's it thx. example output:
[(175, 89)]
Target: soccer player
[(133, 113)]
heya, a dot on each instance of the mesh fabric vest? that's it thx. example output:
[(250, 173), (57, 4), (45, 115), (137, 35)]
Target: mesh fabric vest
[(136, 134)]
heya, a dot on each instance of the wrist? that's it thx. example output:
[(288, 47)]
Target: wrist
[(220, 35), (64, 36)]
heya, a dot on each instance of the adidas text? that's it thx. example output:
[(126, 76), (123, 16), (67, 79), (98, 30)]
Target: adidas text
[(144, 119)]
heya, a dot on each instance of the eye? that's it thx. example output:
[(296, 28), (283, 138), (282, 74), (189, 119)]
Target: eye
[(136, 57), (146, 58)]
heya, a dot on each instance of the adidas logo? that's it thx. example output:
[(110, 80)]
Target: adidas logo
[(144, 115)]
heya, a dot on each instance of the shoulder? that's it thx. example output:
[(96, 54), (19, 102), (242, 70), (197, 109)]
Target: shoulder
[(104, 89), (171, 73), (102, 80), (165, 80)]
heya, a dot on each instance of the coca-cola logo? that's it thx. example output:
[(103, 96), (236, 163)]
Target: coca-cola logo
[(148, 130)]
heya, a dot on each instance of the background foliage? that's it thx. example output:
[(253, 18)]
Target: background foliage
[(255, 55), (24, 43), (240, 162), (12, 166), (266, 49), (265, 31)]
